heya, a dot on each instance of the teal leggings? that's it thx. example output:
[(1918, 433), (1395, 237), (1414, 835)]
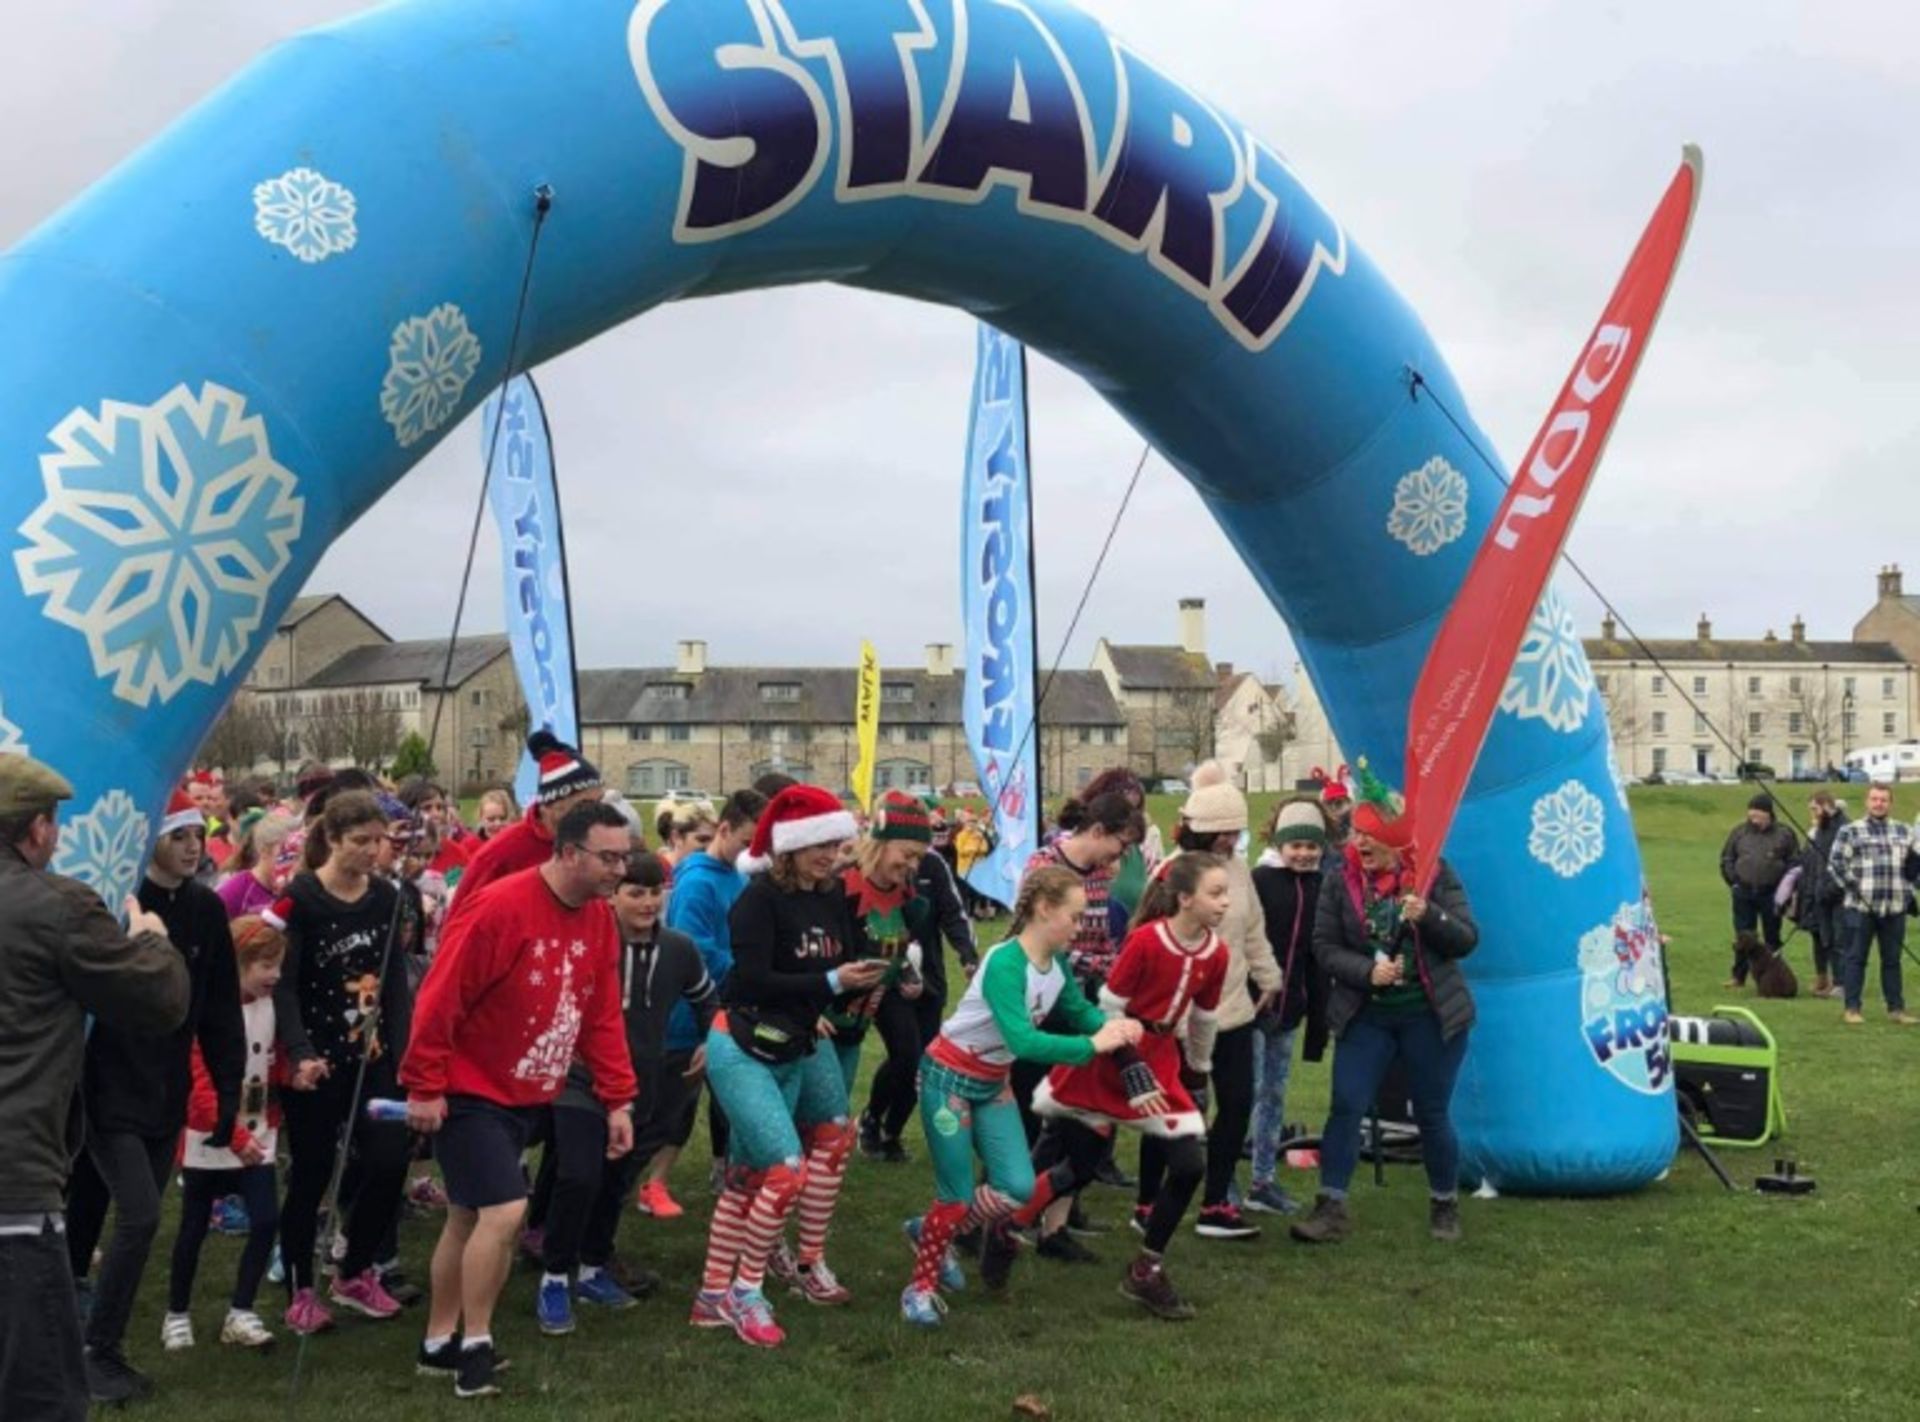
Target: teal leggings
[(964, 1117), (768, 1104), (848, 1055)]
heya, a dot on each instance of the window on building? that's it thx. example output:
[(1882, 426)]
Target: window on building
[(476, 698), (1111, 736), (1796, 724), (667, 690), (657, 777), (679, 733), (639, 733), (777, 735), (1849, 723), (1849, 685), (1886, 688), (1659, 760), (1796, 685), (1083, 777), (1603, 681), (896, 691), (1753, 686), (1699, 724), (1086, 735), (1889, 724), (1755, 720), (413, 701), (1659, 723), (1699, 686), (902, 775), (1659, 685), (919, 735), (779, 691)]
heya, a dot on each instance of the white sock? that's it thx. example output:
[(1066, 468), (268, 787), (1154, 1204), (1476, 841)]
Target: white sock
[(589, 1272), (435, 1344), (479, 1340), (552, 1278)]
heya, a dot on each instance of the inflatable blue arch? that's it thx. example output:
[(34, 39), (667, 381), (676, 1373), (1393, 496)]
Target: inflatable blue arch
[(222, 354)]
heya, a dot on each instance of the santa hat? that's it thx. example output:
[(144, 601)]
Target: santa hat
[(900, 816), (1332, 787), (1214, 806), (276, 914), (563, 770), (799, 817), (1300, 821), (204, 777), (181, 814), (1381, 814)]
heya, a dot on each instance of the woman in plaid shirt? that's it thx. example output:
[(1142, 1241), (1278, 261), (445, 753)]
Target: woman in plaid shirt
[(1876, 861)]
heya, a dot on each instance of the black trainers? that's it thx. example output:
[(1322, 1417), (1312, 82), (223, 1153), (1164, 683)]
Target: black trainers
[(474, 1375), (1108, 1172), (1147, 1284), (870, 1145), (444, 1361), (1065, 1249), (998, 1250), (893, 1153), (1224, 1221), (1082, 1224), (401, 1289), (1328, 1224), (111, 1378), (1443, 1220)]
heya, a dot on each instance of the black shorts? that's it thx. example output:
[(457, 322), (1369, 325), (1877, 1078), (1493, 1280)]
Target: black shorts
[(479, 1149)]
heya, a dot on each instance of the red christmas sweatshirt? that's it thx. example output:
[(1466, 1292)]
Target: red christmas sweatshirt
[(521, 982), (525, 844)]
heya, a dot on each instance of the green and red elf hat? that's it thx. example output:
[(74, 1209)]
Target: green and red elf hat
[(898, 815), (1380, 814)]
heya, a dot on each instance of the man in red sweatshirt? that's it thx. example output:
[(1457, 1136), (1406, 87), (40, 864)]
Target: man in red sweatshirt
[(526, 978), (567, 778)]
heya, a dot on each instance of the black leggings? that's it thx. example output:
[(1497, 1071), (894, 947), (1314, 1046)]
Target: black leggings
[(577, 1149), (131, 1171), (1182, 1162), (908, 1029), (199, 1189), (313, 1129), (1232, 1111)]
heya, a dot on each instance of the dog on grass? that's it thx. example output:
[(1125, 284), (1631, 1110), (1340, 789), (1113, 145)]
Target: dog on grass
[(1768, 971)]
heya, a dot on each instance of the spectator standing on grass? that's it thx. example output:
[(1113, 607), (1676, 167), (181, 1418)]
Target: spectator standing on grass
[(63, 960), (1398, 995), (1874, 858), (1753, 861), (1819, 894), (136, 1087)]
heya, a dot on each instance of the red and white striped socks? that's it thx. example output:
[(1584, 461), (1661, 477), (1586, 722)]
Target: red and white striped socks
[(726, 1238)]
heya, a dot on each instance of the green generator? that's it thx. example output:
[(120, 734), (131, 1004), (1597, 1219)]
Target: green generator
[(1727, 1073)]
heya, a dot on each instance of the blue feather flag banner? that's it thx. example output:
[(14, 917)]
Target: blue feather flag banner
[(526, 508), (997, 602)]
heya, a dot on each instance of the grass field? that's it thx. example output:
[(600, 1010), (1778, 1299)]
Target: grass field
[(1679, 1302)]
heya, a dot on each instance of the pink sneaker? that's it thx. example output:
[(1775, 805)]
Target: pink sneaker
[(816, 1284), (710, 1309), (363, 1294), (752, 1318), (306, 1314), (654, 1200)]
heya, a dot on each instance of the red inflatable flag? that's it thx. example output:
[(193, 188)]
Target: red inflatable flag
[(1471, 657)]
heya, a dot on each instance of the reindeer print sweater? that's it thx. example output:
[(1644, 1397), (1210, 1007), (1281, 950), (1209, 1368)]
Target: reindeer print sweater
[(330, 984)]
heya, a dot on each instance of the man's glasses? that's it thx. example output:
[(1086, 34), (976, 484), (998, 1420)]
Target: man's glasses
[(611, 858)]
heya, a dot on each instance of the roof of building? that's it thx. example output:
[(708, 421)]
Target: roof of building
[(1161, 668), (1743, 651), (301, 608), (824, 696), (411, 663), (1228, 687)]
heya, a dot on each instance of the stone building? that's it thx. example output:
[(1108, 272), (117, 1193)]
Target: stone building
[(1167, 694), (313, 633), (696, 726)]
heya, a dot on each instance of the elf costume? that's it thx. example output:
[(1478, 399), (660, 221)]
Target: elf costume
[(967, 1107)]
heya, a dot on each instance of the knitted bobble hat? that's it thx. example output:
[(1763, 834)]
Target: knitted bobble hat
[(900, 816), (1300, 821), (799, 817), (563, 770), (1214, 806), (1380, 814)]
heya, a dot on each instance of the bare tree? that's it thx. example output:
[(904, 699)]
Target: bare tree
[(1814, 704), (246, 734), (1185, 728), (1279, 728), (373, 729), (325, 729)]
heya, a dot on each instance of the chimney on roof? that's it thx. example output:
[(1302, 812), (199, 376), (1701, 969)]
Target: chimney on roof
[(1703, 629), (691, 659), (1193, 625), (1799, 629), (939, 659), (1771, 637), (1609, 629), (1890, 581), (1223, 671)]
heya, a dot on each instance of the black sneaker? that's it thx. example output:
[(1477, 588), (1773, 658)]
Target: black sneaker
[(998, 1250), (1224, 1221), (1082, 1224), (1328, 1224), (111, 1378), (444, 1361), (1109, 1173), (1065, 1249), (401, 1289), (1147, 1284), (870, 1144), (636, 1279), (474, 1375), (893, 1153), (1443, 1220)]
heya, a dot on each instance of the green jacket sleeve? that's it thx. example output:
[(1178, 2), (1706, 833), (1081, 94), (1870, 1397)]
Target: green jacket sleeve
[(137, 983), (1005, 990)]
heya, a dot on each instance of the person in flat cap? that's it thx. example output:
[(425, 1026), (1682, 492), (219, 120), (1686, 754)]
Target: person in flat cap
[(62, 958), (1753, 861)]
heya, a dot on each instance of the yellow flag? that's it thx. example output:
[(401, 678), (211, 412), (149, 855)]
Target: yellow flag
[(866, 724)]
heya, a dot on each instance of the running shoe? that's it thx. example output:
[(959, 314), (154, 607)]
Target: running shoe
[(748, 1313), (655, 1200), (176, 1332), (111, 1378), (474, 1374), (952, 1277), (1267, 1198), (602, 1290), (306, 1314), (710, 1309), (243, 1329), (230, 1216), (1063, 1248), (1137, 1221), (924, 1308), (364, 1294), (999, 1247), (444, 1361), (783, 1266), (817, 1285), (553, 1306), (1147, 1284), (1224, 1221)]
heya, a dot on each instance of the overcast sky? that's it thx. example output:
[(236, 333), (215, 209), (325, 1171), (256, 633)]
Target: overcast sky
[(1496, 157)]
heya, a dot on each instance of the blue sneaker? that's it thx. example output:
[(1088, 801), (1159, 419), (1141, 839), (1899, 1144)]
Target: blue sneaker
[(276, 1267), (230, 1216), (952, 1277), (553, 1306), (922, 1308), (599, 1289)]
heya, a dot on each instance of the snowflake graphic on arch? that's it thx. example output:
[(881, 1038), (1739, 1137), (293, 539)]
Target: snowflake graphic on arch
[(430, 362), (1551, 680), (163, 531), (13, 740), (307, 213), (1619, 779), (103, 847), (1569, 829), (1429, 507)]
